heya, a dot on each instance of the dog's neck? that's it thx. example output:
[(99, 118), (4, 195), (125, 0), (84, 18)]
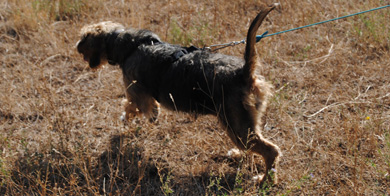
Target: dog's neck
[(122, 42), (110, 45)]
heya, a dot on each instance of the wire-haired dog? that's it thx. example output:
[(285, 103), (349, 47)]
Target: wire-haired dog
[(187, 80)]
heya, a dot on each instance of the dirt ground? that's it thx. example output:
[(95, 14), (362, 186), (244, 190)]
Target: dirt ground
[(60, 126)]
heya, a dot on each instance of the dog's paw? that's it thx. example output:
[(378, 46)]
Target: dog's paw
[(153, 120), (234, 153), (123, 117), (266, 180), (153, 116), (258, 178)]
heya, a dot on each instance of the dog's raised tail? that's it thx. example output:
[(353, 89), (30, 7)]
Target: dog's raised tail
[(250, 50)]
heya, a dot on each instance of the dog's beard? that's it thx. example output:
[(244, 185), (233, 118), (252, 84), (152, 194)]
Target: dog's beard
[(95, 61)]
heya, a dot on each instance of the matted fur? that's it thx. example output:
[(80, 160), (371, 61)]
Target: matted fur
[(200, 82)]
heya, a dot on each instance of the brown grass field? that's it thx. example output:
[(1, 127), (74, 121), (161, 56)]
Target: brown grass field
[(60, 127)]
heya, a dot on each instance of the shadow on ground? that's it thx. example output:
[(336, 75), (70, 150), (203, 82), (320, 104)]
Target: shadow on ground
[(122, 169)]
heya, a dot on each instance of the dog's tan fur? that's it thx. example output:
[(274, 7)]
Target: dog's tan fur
[(199, 82)]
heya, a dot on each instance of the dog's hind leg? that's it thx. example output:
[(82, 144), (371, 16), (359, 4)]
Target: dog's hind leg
[(244, 131), (270, 153)]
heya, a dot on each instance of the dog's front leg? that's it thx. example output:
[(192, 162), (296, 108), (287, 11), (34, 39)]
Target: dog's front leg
[(140, 102), (150, 109), (131, 110), (153, 111)]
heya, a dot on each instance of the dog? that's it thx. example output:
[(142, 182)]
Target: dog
[(191, 80)]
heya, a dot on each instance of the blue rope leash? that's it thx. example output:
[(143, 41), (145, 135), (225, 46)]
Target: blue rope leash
[(259, 37), (265, 34)]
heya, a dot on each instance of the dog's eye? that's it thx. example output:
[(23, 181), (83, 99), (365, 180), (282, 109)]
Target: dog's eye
[(81, 43), (83, 39)]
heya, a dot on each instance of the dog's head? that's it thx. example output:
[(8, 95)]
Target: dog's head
[(92, 43)]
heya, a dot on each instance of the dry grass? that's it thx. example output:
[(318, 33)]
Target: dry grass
[(59, 121)]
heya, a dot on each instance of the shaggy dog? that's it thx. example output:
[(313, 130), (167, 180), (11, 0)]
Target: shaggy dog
[(189, 80)]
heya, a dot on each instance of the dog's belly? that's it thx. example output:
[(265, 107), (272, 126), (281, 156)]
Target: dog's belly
[(187, 101)]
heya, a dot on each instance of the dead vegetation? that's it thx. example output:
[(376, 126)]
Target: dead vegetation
[(60, 126)]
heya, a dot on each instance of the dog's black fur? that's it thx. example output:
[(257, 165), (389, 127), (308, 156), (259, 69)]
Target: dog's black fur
[(200, 82)]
